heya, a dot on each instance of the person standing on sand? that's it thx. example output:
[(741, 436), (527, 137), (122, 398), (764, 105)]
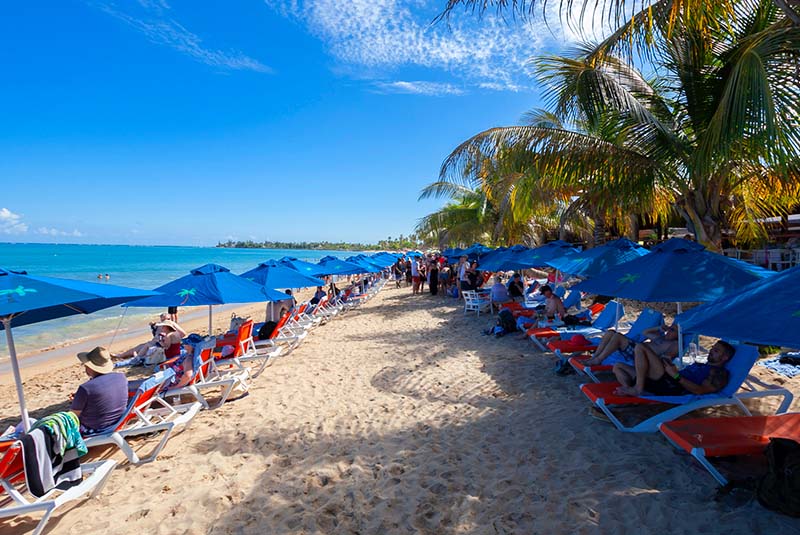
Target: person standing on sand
[(173, 314), (414, 276), (463, 279), (433, 277)]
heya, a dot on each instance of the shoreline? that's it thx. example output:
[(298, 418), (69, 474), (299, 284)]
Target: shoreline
[(63, 355)]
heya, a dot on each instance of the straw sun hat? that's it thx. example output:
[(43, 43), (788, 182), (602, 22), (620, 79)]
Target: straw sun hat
[(168, 323), (98, 359)]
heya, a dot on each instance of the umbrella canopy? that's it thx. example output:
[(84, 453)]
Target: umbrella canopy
[(27, 299), (540, 255), (274, 275), (414, 254), (339, 267), (383, 259), (365, 262), (515, 258), (674, 274), (476, 251), (594, 261), (210, 284), (306, 268), (764, 312), (328, 258)]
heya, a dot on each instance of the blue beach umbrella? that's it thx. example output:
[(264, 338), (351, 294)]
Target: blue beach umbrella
[(515, 258), (339, 267), (364, 262), (675, 273), (27, 299), (413, 254), (328, 258), (306, 268), (274, 275), (210, 284), (764, 312), (594, 261), (476, 251), (541, 255)]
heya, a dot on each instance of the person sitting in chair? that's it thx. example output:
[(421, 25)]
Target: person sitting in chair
[(662, 340), (499, 293), (656, 375), (102, 400)]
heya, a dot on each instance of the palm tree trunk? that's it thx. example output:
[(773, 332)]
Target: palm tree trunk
[(599, 232), (703, 218)]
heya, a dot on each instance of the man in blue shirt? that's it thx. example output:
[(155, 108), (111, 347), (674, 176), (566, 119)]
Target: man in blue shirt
[(101, 401)]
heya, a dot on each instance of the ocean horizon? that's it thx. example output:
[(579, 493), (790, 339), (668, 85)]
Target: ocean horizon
[(137, 266)]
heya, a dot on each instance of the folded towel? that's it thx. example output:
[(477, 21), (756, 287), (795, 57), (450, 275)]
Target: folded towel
[(774, 364)]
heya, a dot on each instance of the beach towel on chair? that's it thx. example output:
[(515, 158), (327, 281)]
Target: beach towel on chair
[(45, 469)]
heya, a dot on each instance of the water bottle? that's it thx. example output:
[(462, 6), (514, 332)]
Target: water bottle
[(692, 353)]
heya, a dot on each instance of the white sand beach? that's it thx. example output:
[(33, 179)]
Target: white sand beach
[(400, 417)]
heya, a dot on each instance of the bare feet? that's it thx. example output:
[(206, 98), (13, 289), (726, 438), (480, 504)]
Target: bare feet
[(627, 391)]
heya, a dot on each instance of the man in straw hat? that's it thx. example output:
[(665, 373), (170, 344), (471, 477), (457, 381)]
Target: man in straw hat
[(100, 401)]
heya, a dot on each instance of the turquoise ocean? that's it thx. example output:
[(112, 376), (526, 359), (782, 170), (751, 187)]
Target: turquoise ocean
[(144, 267)]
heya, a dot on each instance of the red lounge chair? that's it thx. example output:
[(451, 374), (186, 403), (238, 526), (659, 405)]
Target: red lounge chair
[(146, 413), (15, 500), (724, 437), (577, 362), (208, 377)]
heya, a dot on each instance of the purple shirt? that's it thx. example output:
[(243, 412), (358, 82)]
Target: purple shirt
[(101, 400)]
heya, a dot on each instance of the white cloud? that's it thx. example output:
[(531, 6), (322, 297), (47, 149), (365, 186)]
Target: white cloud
[(11, 223), (160, 28), (393, 34), (419, 88), (49, 231)]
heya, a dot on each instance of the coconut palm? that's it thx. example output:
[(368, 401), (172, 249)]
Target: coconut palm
[(713, 133)]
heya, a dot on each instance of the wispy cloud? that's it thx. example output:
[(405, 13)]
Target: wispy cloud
[(49, 231), (486, 52), (153, 19), (418, 88), (11, 223)]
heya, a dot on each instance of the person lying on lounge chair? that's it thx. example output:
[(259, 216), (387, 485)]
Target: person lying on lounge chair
[(658, 376), (167, 335), (662, 340)]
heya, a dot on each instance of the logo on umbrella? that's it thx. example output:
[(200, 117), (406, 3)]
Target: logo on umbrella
[(630, 277), (186, 294), (19, 290)]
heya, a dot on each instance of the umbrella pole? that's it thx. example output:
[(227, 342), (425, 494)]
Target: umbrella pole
[(17, 376), (209, 321), (680, 337)]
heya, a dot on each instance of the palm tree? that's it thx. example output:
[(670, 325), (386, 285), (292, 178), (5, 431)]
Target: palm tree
[(714, 132)]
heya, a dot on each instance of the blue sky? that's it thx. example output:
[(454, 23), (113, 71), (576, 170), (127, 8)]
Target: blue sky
[(192, 121)]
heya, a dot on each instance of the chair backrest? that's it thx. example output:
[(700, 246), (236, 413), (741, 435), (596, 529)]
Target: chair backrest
[(596, 308), (573, 300), (243, 339), (738, 368), (560, 291), (610, 315), (647, 319), (11, 467), (202, 361), (149, 388)]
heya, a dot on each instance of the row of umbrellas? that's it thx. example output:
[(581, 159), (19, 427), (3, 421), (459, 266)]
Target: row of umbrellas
[(742, 301), (27, 299)]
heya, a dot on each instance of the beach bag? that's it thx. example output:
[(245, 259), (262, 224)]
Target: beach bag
[(236, 322), (266, 330), (572, 320), (779, 489), (155, 355), (505, 319)]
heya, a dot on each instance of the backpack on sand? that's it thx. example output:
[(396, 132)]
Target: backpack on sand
[(779, 490), (505, 319)]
